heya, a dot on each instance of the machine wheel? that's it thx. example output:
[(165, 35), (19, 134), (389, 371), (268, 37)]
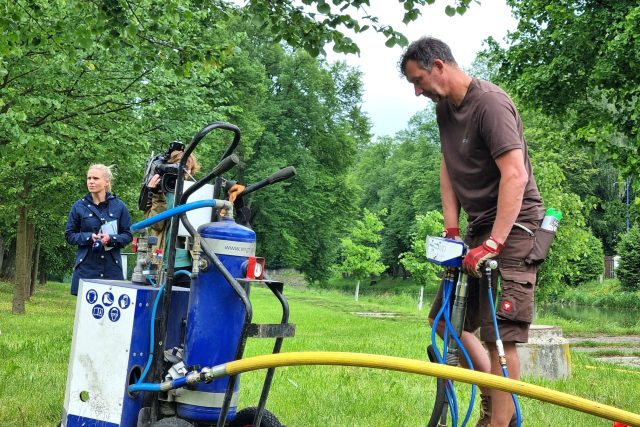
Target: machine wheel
[(144, 417), (172, 422), (244, 418)]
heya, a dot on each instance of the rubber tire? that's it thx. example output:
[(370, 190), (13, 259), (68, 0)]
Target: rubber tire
[(144, 418), (244, 418), (441, 398), (172, 422)]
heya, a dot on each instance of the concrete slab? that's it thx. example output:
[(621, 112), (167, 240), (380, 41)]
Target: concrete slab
[(547, 353)]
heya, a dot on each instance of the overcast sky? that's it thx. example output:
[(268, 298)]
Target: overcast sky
[(389, 99)]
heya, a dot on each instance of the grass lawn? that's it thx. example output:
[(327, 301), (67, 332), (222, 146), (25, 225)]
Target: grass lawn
[(34, 349)]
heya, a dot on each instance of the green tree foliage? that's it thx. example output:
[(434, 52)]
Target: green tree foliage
[(317, 22), (293, 110), (587, 174), (359, 253), (87, 82), (598, 188), (109, 82), (401, 174), (578, 60), (576, 256), (308, 116), (84, 83), (628, 270), (569, 173), (422, 271), (574, 65)]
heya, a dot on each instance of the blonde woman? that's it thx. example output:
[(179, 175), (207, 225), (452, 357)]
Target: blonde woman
[(99, 224)]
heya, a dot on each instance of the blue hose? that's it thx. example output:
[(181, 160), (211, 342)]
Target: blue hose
[(505, 373), (449, 392), (151, 333), (179, 382), (178, 210), (135, 387), (449, 329), (143, 387), (461, 347)]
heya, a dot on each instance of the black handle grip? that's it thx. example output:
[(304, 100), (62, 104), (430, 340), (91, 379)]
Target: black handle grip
[(281, 175), (226, 164)]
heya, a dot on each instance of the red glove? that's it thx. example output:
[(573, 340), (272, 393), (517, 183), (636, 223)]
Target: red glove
[(451, 233), (476, 256)]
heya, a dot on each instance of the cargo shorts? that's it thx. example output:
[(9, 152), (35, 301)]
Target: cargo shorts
[(516, 283)]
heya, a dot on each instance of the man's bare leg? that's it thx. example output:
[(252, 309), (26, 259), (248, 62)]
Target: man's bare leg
[(502, 402), (476, 351)]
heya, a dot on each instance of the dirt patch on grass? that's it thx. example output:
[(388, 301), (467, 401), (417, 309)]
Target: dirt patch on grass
[(377, 314), (618, 345)]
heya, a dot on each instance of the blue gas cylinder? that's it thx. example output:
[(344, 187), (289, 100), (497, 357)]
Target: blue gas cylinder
[(215, 319)]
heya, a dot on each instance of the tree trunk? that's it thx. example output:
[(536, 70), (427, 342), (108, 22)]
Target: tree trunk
[(9, 263), (29, 261), (23, 272), (1, 252), (36, 264), (42, 276), (394, 268)]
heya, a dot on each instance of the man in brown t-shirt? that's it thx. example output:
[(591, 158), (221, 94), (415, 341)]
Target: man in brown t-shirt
[(485, 170)]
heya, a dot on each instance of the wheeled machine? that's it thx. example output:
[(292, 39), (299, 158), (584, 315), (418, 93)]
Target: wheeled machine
[(141, 349)]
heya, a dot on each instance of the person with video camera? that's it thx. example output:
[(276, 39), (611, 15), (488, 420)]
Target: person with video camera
[(99, 224), (162, 186)]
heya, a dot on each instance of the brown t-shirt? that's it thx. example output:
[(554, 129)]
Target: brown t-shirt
[(472, 136)]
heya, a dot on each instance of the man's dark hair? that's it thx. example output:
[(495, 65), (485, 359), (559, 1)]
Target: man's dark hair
[(424, 51)]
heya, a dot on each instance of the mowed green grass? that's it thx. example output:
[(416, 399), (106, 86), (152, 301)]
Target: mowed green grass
[(34, 351)]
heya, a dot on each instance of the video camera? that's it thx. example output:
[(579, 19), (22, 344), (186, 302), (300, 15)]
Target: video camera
[(168, 174)]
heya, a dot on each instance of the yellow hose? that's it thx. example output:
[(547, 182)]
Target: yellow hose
[(434, 370)]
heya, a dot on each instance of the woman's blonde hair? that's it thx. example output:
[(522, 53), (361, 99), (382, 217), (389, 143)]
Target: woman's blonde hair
[(106, 172)]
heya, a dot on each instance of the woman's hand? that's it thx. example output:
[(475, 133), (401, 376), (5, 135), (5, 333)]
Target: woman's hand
[(104, 238)]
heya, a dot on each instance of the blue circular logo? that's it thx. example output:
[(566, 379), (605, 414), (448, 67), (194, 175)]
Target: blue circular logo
[(124, 301), (107, 299), (92, 296), (97, 311), (114, 314)]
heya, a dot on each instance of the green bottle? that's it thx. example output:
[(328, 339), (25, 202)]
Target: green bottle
[(551, 220)]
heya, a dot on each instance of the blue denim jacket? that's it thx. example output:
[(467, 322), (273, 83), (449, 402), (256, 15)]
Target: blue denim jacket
[(82, 222)]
